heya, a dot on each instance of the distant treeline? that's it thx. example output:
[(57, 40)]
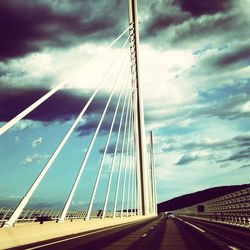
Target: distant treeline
[(198, 197)]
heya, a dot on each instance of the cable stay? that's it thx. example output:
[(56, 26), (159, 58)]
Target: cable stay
[(47, 166), (126, 162), (68, 202), (115, 151), (121, 156), (37, 103), (106, 148)]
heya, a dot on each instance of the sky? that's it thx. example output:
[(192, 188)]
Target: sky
[(194, 63)]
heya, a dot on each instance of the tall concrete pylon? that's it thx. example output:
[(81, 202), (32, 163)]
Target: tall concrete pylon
[(141, 152), (153, 182)]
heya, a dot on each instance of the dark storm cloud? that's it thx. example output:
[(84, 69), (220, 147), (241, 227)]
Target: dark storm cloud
[(203, 7), (243, 140), (241, 55), (62, 106), (229, 57), (92, 122), (111, 149), (162, 15), (245, 166), (237, 142), (230, 108), (238, 156), (30, 26), (227, 102), (14, 100), (173, 23), (202, 28), (239, 147), (160, 22)]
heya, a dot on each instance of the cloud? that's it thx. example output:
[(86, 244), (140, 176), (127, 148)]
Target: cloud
[(203, 7), (226, 102), (209, 144), (197, 92), (160, 19), (62, 106), (187, 158), (15, 100), (174, 23), (24, 125), (245, 166), (229, 108), (91, 122), (243, 140), (111, 149), (235, 56), (37, 142), (206, 150), (194, 60), (34, 158), (47, 24), (239, 156), (8, 201)]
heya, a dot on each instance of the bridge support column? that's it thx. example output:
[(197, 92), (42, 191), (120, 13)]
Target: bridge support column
[(141, 162), (153, 183)]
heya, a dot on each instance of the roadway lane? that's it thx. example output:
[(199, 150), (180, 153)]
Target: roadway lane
[(96, 239), (158, 233), (172, 234), (232, 236)]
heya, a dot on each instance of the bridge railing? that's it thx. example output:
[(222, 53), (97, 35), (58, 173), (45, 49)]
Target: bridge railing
[(233, 208), (41, 215)]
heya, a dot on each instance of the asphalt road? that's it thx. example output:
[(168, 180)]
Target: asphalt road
[(157, 233), (232, 236)]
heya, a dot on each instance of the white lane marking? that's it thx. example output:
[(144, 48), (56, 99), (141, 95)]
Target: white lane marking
[(75, 237), (201, 230), (233, 248), (144, 235), (192, 225)]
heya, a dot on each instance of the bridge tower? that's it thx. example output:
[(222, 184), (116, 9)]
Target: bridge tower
[(144, 190), (141, 158)]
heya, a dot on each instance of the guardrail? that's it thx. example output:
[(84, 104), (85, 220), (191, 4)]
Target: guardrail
[(41, 215), (233, 208)]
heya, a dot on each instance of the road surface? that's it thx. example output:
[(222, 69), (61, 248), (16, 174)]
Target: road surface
[(157, 233)]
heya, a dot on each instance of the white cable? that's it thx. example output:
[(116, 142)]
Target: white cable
[(106, 148), (121, 157), (17, 118), (21, 115), (72, 192), (35, 184), (130, 163), (126, 165), (115, 152)]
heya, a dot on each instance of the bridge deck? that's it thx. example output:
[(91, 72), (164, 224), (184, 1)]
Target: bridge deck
[(154, 233), (26, 233)]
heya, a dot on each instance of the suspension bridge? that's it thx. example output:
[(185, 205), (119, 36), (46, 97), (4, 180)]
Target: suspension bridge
[(131, 212)]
